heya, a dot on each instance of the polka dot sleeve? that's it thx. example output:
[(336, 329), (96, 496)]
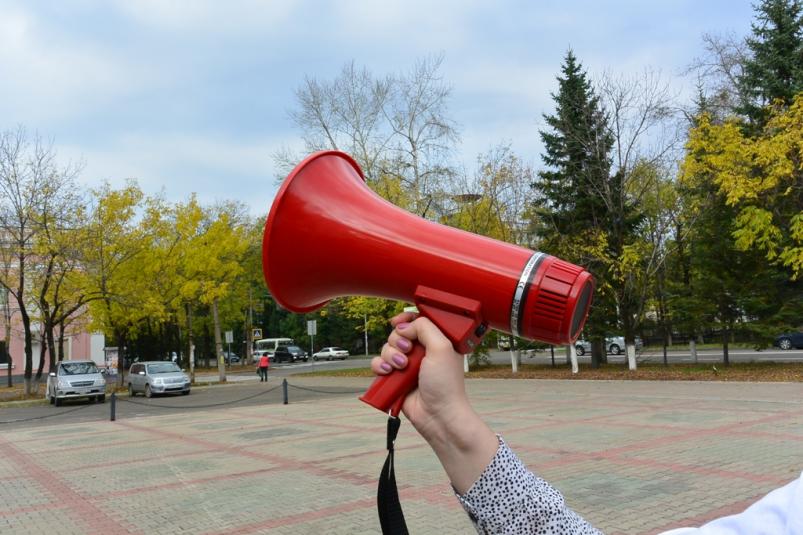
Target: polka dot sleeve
[(509, 499)]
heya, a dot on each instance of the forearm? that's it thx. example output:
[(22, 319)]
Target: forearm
[(509, 499), (464, 445)]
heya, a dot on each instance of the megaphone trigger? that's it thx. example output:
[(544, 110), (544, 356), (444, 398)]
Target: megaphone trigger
[(460, 321)]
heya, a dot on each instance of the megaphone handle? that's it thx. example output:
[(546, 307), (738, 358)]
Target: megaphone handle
[(388, 392), (460, 321)]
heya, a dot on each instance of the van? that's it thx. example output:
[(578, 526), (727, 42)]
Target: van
[(267, 346)]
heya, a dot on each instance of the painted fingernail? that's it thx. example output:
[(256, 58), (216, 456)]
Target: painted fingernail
[(386, 367), (404, 344), (403, 325), (398, 359)]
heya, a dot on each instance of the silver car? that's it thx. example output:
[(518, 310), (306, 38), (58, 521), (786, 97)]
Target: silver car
[(75, 379), (613, 344), (157, 377)]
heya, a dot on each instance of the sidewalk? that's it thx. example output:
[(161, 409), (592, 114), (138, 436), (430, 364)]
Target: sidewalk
[(631, 457)]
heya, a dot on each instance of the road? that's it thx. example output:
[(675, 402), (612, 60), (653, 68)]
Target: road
[(246, 393), (503, 357)]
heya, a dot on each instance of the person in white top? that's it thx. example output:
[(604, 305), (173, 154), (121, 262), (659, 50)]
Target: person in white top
[(497, 491)]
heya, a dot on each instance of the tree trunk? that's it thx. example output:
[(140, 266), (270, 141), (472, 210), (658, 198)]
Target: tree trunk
[(42, 351), (51, 344), (693, 349), (221, 363), (571, 356), (120, 338), (725, 337), (26, 324), (598, 353), (7, 336), (61, 342)]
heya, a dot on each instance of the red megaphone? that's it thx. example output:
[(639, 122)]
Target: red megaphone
[(328, 235)]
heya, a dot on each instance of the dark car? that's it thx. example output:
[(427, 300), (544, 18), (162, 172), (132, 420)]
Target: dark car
[(789, 341), (289, 354), (230, 357)]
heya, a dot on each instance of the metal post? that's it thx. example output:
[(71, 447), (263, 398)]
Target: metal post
[(113, 406), (284, 390)]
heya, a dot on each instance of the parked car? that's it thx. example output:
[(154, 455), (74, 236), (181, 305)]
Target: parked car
[(75, 379), (267, 346), (289, 354), (789, 340), (157, 377), (330, 353), (614, 345), (230, 357)]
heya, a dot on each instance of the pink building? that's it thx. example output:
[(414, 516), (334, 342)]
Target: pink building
[(79, 343)]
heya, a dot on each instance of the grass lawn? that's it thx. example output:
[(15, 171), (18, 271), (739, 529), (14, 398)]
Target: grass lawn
[(758, 372)]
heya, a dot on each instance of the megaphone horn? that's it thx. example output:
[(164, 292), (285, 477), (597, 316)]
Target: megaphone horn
[(329, 235)]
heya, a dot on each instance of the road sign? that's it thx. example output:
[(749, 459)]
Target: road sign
[(257, 333), (229, 337), (312, 327)]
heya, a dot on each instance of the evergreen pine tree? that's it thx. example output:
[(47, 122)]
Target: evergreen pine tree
[(576, 153), (569, 209), (775, 69)]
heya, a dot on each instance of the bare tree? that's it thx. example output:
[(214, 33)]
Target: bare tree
[(424, 137), (718, 71), (396, 127), (31, 184), (496, 197), (344, 114), (646, 134)]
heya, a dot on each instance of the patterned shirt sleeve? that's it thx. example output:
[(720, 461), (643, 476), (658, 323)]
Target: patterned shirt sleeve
[(509, 499)]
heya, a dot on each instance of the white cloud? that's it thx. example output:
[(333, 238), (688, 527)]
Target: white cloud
[(210, 16), (49, 76), (182, 164)]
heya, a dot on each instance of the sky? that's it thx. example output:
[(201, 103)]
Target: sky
[(194, 96)]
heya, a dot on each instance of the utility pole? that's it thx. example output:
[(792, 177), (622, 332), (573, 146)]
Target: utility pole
[(249, 331), (190, 344)]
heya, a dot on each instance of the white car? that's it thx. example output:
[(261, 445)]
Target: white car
[(329, 353), (76, 379), (614, 345), (157, 377)]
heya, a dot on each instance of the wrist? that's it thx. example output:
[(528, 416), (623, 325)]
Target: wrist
[(464, 444)]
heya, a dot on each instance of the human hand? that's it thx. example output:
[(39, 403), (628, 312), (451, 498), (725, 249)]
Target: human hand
[(439, 408), (440, 396)]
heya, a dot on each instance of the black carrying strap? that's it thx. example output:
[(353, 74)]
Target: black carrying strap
[(391, 517)]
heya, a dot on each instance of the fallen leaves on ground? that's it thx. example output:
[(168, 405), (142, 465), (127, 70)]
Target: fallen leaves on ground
[(750, 372)]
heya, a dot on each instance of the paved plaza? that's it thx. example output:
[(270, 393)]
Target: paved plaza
[(631, 457)]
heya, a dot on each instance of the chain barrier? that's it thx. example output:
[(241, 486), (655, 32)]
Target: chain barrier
[(46, 415), (205, 406), (284, 385), (326, 391)]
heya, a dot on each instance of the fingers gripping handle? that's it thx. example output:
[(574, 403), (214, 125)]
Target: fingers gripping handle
[(460, 321), (388, 392)]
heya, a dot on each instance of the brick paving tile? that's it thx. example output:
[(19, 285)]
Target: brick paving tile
[(632, 457)]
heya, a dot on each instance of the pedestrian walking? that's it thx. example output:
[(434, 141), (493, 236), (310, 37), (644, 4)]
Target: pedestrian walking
[(264, 364)]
